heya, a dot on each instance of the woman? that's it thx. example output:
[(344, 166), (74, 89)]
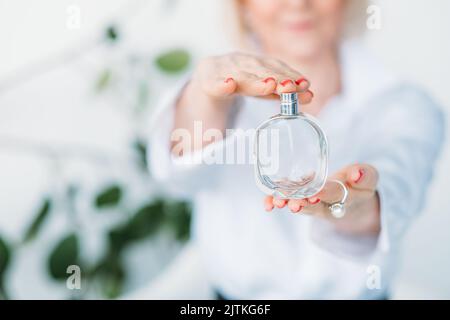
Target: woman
[(384, 137)]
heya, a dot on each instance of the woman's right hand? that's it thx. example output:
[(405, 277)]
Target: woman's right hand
[(223, 76)]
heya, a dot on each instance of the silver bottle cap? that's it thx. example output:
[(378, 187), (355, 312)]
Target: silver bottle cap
[(289, 104)]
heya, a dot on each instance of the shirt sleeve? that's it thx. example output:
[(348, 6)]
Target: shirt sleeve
[(184, 175), (403, 146)]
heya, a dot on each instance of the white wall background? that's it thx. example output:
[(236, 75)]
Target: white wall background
[(413, 40)]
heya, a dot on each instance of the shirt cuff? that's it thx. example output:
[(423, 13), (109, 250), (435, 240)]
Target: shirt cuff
[(350, 247), (359, 247), (181, 171)]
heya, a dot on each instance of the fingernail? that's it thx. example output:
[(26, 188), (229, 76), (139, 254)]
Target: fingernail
[(279, 203), (285, 82), (228, 80), (314, 200), (269, 79), (299, 209), (294, 207), (299, 81), (269, 207), (359, 176), (312, 94)]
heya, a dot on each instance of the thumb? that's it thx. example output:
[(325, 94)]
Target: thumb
[(362, 177)]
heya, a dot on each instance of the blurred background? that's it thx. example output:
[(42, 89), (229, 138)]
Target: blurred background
[(78, 83)]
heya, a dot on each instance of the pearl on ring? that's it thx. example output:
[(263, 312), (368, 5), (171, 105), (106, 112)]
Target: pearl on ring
[(337, 209)]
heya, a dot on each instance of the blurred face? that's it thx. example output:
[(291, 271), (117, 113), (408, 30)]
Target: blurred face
[(297, 28)]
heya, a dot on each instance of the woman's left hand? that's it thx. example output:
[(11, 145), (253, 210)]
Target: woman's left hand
[(362, 205)]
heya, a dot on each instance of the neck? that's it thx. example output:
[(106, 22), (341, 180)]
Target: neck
[(323, 71)]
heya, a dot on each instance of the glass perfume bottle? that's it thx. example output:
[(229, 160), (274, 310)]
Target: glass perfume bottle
[(291, 153)]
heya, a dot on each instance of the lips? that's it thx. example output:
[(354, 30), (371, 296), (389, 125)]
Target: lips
[(300, 26)]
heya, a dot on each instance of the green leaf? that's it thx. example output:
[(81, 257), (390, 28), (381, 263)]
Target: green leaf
[(144, 223), (179, 219), (109, 197), (111, 275), (36, 225), (112, 34), (64, 254), (118, 239), (141, 148), (112, 286), (5, 258), (173, 61), (103, 81)]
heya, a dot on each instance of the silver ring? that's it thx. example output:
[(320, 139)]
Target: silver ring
[(337, 209)]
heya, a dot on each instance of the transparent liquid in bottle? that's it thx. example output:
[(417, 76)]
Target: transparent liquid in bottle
[(291, 153)]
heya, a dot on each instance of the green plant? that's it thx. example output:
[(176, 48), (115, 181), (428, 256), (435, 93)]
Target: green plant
[(141, 221), (5, 257)]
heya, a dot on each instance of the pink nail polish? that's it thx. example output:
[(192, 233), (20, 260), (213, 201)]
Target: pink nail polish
[(361, 173), (269, 79), (299, 81), (280, 204), (285, 82)]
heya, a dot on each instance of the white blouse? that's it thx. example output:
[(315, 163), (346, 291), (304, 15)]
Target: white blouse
[(251, 254)]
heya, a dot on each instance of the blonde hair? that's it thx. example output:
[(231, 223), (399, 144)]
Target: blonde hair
[(355, 22)]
